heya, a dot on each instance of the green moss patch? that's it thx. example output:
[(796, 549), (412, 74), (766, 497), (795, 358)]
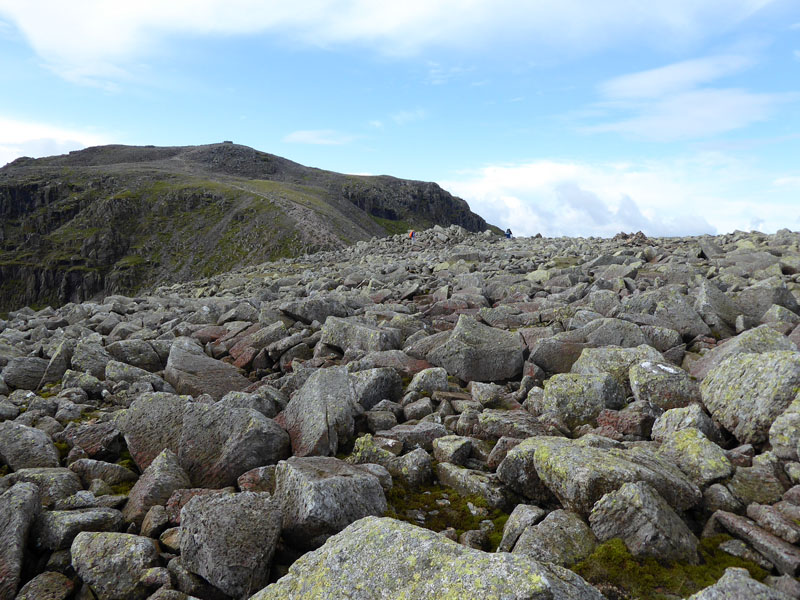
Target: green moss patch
[(122, 489), (126, 460), (443, 507), (617, 571)]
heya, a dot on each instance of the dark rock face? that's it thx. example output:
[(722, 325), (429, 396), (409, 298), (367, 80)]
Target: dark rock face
[(266, 418)]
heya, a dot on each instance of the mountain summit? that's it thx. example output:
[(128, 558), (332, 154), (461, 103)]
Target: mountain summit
[(117, 219)]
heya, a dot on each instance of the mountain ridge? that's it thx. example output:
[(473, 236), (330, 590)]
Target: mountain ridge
[(120, 219)]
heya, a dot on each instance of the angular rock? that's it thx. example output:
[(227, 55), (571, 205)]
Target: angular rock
[(737, 583), (19, 507), (152, 423), (25, 372), (522, 517), (321, 415), (562, 538), (469, 482), (113, 563), (373, 385), (579, 399), (230, 539), (47, 586), (320, 496), (383, 558), (702, 460), (691, 416), (476, 352), (638, 515), (23, 447), (190, 371), (783, 555), (580, 475), (90, 357), (155, 486), (349, 334), (661, 384), (218, 444), (55, 530), (54, 483), (747, 392)]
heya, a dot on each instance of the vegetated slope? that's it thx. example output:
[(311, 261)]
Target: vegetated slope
[(117, 219)]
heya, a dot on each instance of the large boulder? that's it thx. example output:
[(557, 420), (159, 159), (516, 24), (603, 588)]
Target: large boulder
[(378, 558), (747, 392), (476, 352), (55, 529), (19, 508), (152, 423), (662, 384), (562, 538), (753, 341), (701, 459), (578, 399), (351, 334), (737, 583), (229, 540), (320, 496), (112, 564), (218, 444), (23, 447), (321, 415), (614, 361), (190, 371), (155, 486), (644, 521), (90, 357), (138, 353), (579, 475), (54, 483), (25, 372)]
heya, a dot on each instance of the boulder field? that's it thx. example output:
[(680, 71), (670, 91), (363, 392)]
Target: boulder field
[(453, 416)]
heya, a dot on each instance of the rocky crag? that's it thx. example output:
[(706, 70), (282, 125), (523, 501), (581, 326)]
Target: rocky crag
[(118, 219), (457, 416)]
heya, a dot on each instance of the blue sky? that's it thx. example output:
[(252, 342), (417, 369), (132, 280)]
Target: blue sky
[(565, 117)]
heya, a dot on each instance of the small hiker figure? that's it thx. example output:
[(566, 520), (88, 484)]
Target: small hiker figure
[(412, 234), (508, 233)]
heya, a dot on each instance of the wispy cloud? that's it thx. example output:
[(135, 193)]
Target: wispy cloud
[(404, 117), (439, 74), (671, 102), (668, 197), (319, 137), (96, 37), (677, 77), (36, 139), (792, 181), (694, 114)]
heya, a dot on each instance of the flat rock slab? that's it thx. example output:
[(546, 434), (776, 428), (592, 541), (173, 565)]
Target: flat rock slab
[(785, 556), (379, 558), (190, 371)]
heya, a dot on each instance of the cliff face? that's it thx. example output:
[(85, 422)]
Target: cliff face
[(117, 219)]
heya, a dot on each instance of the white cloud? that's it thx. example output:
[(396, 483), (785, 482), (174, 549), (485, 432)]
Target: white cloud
[(405, 117), (693, 114), (667, 103), (703, 194), (96, 38), (791, 181), (677, 77), (28, 138), (319, 137)]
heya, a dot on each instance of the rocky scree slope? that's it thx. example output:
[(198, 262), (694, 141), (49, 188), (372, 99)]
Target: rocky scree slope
[(617, 418), (117, 219)]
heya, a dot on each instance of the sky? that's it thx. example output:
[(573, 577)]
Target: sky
[(560, 117)]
